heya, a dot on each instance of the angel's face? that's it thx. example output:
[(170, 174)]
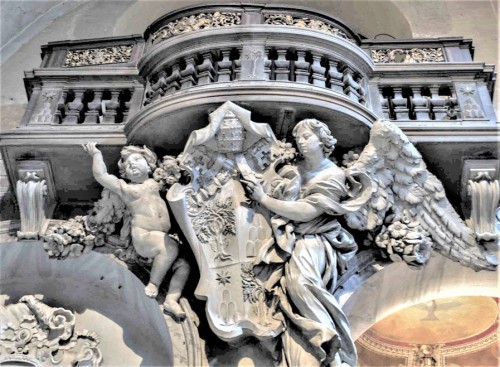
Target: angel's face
[(307, 141), (136, 168)]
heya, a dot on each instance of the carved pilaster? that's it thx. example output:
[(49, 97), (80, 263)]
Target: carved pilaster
[(35, 196), (483, 193)]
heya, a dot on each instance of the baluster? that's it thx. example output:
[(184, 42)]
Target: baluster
[(361, 90), (237, 64), (60, 112), (335, 77), (224, 67), (173, 79), (301, 68), (420, 104), (188, 74), (401, 110), (158, 88), (386, 104), (126, 110), (438, 103), (267, 64), (110, 108), (317, 72), (94, 108), (282, 66), (350, 86), (206, 72), (74, 109)]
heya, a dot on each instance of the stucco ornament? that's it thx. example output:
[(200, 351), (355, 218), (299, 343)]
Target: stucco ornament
[(34, 332), (261, 220)]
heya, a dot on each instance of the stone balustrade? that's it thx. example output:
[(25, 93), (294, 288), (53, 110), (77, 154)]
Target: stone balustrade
[(79, 106), (432, 102), (268, 64)]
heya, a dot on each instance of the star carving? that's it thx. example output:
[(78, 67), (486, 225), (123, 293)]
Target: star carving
[(223, 278), (468, 91)]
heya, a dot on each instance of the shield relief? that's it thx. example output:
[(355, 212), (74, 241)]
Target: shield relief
[(224, 228)]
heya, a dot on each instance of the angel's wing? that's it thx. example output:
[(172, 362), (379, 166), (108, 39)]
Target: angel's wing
[(409, 204)]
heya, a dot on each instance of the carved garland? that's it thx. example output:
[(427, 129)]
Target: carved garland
[(196, 22), (414, 55), (98, 56), (285, 19)]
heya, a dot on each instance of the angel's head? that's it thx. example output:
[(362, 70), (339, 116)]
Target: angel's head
[(311, 134), (136, 163)]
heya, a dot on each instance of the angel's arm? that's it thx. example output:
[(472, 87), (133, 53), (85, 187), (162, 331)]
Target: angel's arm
[(297, 211), (100, 171)]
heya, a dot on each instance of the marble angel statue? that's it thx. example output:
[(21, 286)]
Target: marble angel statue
[(150, 222), (388, 183)]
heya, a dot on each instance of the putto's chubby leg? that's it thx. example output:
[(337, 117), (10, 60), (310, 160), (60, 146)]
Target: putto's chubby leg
[(179, 278)]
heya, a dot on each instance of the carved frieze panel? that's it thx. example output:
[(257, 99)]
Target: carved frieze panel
[(414, 55), (98, 56), (303, 22), (196, 22), (469, 100)]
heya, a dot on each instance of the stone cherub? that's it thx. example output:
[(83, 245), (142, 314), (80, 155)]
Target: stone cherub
[(150, 219)]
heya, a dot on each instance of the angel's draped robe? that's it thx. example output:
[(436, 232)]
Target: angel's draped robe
[(301, 269)]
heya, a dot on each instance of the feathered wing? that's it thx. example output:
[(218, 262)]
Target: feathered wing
[(409, 204)]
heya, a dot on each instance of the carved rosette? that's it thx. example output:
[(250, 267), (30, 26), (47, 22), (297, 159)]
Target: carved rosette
[(197, 22), (98, 56), (34, 332), (303, 22), (414, 55)]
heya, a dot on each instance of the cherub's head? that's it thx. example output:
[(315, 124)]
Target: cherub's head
[(136, 163), (321, 136)]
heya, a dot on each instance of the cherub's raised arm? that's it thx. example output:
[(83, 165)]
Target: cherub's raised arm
[(100, 171)]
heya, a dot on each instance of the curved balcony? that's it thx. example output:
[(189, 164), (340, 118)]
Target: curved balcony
[(270, 59)]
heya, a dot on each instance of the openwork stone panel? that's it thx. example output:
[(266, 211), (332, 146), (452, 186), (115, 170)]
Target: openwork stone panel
[(414, 55), (197, 22), (304, 22), (98, 56)]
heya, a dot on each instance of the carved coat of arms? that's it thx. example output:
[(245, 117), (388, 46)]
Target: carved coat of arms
[(224, 229)]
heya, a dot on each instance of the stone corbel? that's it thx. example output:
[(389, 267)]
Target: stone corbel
[(35, 193), (480, 182)]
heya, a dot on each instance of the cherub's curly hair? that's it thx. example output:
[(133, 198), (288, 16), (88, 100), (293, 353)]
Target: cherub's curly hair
[(322, 132), (127, 151)]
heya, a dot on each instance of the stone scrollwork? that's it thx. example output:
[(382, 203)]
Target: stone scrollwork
[(484, 191), (303, 22), (196, 22), (98, 56), (35, 195), (34, 332), (414, 55)]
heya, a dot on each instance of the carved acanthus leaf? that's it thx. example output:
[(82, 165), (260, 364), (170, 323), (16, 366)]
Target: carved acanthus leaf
[(414, 55), (303, 22), (33, 331), (196, 22), (98, 56)]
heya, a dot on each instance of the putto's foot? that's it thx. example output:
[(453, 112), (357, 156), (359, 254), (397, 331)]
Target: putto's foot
[(151, 290), (174, 309)]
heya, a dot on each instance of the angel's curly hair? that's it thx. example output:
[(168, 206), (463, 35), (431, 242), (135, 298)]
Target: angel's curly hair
[(127, 151), (322, 132)]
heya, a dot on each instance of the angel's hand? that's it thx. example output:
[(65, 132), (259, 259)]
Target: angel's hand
[(91, 148), (254, 188)]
